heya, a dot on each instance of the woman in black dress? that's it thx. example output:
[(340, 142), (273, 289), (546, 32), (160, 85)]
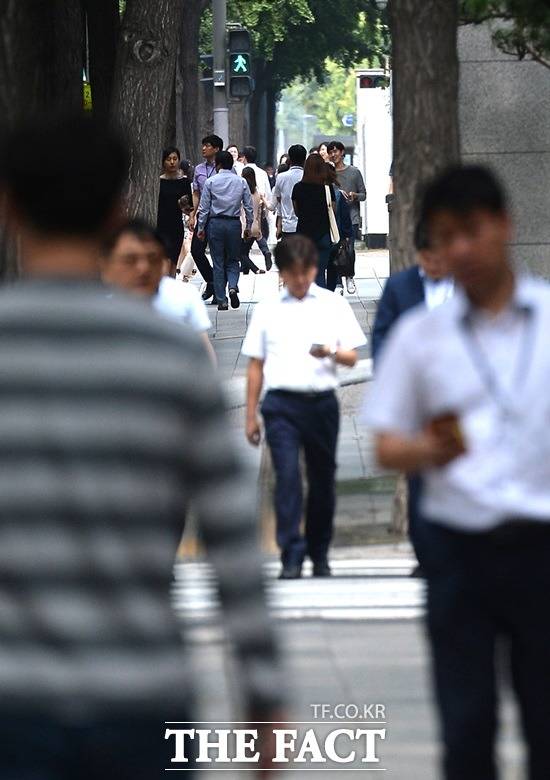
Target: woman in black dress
[(311, 205), (173, 185)]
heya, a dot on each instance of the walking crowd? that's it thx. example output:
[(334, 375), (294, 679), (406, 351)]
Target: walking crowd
[(113, 424), (316, 196)]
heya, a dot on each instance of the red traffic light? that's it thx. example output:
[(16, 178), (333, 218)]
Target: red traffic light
[(373, 82)]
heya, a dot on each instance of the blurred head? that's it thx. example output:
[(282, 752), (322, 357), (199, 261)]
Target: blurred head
[(284, 158), (186, 204), (322, 149), (134, 259), (224, 161), (270, 170), (336, 151), (315, 170), (468, 225), (233, 151), (297, 155), (428, 259), (250, 154), (283, 168), (249, 175), (186, 168), (56, 200), (296, 258), (171, 160), (211, 145), (313, 150)]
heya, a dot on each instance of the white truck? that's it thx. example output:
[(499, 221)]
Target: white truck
[(373, 151)]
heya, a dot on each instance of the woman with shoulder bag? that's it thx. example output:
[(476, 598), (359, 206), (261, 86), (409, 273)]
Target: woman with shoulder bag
[(255, 233), (314, 203), (340, 259)]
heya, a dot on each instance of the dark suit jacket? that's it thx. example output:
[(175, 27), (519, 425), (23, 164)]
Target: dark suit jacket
[(402, 292)]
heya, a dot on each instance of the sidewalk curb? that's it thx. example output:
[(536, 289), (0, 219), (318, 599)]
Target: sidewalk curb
[(235, 389)]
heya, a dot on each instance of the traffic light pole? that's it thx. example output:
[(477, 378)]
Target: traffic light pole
[(221, 111)]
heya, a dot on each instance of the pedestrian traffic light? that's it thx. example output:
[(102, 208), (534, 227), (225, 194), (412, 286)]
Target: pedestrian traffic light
[(373, 82), (240, 64)]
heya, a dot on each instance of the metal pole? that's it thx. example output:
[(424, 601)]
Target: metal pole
[(221, 111)]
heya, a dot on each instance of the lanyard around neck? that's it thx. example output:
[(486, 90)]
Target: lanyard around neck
[(503, 398)]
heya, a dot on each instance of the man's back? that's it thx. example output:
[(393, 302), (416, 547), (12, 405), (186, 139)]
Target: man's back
[(110, 420)]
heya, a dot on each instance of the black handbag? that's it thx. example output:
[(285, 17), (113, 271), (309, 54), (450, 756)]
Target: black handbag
[(342, 258)]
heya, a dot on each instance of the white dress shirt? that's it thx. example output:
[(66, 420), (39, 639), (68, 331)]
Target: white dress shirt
[(182, 302), (284, 184), (262, 180), (493, 373), (436, 292), (282, 331)]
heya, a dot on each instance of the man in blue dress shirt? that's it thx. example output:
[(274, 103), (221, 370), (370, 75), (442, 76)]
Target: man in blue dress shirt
[(221, 201)]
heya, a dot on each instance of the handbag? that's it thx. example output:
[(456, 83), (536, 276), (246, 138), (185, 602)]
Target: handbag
[(342, 256), (334, 232)]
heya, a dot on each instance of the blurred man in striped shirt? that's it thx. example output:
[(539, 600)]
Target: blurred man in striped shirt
[(111, 421)]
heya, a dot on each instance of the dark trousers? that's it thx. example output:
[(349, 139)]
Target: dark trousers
[(417, 525), (198, 251), (324, 248), (41, 748), (489, 591), (296, 422), (224, 237)]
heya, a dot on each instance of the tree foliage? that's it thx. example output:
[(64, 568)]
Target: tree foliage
[(524, 29), (329, 101)]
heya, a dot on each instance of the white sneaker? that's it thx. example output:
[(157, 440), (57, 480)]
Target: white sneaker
[(339, 290), (350, 285)]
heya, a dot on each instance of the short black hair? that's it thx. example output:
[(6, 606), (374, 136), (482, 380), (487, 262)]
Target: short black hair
[(170, 150), (137, 227), (225, 160), (214, 140), (462, 189), (185, 166), (336, 145), (250, 153), (53, 197), (296, 250), (297, 154)]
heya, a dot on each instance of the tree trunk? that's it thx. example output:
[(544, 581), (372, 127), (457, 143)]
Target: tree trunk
[(425, 107), (41, 57), (144, 78), (271, 126), (67, 54), (103, 29), (189, 72), (425, 126)]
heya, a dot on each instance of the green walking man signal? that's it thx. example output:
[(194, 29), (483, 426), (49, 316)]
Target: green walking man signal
[(240, 64)]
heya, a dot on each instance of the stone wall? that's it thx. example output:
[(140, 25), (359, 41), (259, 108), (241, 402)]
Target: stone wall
[(505, 123)]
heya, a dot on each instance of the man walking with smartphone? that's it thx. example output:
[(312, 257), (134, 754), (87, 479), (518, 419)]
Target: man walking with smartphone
[(461, 395), (295, 344)]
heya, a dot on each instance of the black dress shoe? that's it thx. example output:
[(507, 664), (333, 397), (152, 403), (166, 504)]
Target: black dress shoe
[(223, 307), (321, 569), (290, 573), (208, 293), (234, 298)]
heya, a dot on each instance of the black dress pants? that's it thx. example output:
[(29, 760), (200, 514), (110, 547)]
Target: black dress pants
[(489, 591), (296, 422), (198, 251)]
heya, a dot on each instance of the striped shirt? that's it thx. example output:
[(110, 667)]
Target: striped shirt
[(111, 422)]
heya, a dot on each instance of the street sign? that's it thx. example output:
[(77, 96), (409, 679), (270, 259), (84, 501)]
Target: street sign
[(87, 95), (240, 64), (348, 120), (219, 78)]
